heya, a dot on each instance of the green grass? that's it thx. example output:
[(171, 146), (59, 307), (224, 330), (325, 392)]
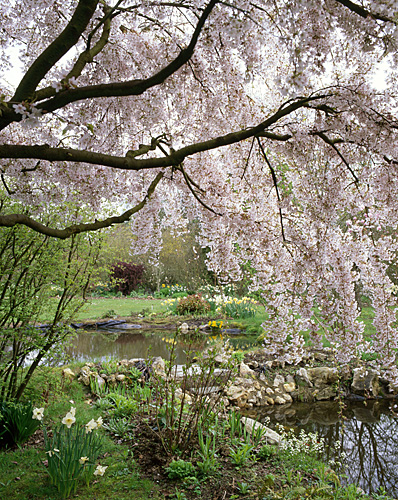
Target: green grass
[(97, 308), (23, 473)]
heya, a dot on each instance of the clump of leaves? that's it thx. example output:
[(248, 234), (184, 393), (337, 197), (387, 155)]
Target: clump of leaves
[(193, 304), (180, 469)]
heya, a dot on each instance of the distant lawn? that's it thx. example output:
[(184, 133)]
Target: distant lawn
[(101, 307)]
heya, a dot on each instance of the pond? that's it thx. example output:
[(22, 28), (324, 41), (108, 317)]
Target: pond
[(99, 345), (368, 432)]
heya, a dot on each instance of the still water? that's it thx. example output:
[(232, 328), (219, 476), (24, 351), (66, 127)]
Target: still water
[(100, 346), (368, 434)]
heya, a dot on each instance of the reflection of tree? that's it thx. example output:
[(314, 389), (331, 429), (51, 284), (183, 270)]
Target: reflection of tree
[(369, 437)]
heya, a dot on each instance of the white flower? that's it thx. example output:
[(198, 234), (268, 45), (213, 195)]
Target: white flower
[(20, 109), (68, 420), (83, 460), (90, 426), (72, 411), (100, 470), (38, 413), (57, 86), (51, 452), (72, 82), (99, 421)]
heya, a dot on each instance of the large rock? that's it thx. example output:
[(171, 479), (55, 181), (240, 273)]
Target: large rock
[(270, 436), (365, 382), (323, 375)]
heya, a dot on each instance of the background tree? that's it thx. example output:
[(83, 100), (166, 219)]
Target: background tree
[(39, 277)]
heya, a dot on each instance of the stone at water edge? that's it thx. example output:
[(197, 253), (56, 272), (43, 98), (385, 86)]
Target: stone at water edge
[(270, 436), (323, 375), (302, 375), (365, 382)]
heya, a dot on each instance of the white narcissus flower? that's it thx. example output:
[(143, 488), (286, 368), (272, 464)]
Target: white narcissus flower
[(83, 460), (100, 470), (72, 411), (99, 421), (68, 420), (38, 413), (90, 426)]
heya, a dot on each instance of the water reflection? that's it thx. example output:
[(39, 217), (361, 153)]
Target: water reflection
[(99, 346), (368, 433)]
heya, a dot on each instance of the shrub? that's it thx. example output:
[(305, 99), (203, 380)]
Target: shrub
[(193, 304), (127, 276), (16, 423)]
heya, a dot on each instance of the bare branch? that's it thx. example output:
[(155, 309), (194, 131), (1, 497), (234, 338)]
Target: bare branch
[(275, 182), (358, 9), (331, 143)]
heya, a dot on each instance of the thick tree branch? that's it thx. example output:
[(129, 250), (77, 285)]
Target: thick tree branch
[(44, 152), (14, 219), (358, 9), (84, 58), (131, 87), (58, 48)]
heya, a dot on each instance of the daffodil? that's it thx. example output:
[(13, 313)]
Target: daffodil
[(90, 426), (69, 420), (38, 413), (83, 460), (100, 470), (99, 422)]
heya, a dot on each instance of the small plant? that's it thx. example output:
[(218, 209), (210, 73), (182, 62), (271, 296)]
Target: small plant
[(111, 313), (120, 427), (180, 469), (237, 308), (235, 424), (243, 488), (179, 495), (309, 443), (72, 453), (266, 452), (18, 421), (241, 454)]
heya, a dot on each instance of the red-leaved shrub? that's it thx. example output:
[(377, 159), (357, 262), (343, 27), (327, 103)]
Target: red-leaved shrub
[(127, 276)]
